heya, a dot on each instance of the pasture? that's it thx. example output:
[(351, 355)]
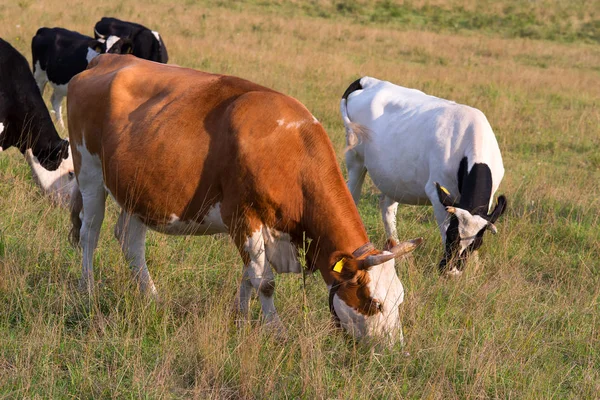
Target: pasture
[(526, 324)]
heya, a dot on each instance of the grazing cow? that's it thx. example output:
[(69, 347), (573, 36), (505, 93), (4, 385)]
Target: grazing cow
[(24, 119), (60, 54), (414, 146), (188, 152), (147, 44)]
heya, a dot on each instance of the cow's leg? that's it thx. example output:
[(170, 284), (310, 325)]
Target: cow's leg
[(94, 198), (56, 99), (258, 275), (41, 78), (131, 234), (356, 173), (389, 208)]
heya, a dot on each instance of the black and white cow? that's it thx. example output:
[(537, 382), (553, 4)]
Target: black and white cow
[(24, 119), (418, 149), (59, 54), (147, 44)]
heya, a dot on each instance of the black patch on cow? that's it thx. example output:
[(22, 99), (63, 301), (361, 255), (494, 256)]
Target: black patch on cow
[(353, 87), (445, 198), (145, 44), (62, 53), (452, 243), (475, 187)]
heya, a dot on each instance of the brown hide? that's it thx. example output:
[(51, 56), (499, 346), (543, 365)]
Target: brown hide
[(173, 140)]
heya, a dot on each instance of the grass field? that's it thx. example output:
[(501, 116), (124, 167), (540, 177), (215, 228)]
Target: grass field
[(525, 325)]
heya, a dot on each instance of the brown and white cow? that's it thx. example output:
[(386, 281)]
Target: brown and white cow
[(188, 152)]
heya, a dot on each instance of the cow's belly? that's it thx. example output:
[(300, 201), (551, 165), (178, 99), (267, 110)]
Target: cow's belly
[(210, 224), (399, 171)]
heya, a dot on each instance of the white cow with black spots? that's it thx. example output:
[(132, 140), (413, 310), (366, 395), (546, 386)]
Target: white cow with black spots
[(418, 149)]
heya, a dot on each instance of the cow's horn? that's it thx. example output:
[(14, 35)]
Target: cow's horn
[(492, 228), (396, 251)]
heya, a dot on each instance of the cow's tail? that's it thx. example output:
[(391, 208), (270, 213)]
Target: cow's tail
[(355, 133), (76, 211)]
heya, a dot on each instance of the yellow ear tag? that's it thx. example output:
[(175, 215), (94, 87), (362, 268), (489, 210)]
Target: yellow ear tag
[(339, 265), (445, 190)]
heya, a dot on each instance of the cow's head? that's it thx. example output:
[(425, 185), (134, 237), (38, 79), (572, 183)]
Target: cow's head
[(121, 46), (465, 230), (366, 294)]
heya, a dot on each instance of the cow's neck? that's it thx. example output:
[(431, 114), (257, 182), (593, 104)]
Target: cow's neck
[(331, 219), (475, 188)]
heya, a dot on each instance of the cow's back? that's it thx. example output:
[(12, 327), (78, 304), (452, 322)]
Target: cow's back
[(160, 129), (423, 136)]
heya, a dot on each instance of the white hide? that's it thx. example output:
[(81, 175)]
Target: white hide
[(256, 273), (110, 42), (414, 141), (281, 253), (386, 288), (211, 224), (91, 185), (157, 36), (91, 53), (57, 184)]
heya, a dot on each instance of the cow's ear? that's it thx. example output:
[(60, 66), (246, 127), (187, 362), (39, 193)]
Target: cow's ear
[(444, 195), (499, 209), (343, 266), (97, 46)]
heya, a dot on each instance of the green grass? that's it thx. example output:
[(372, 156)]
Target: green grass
[(525, 325)]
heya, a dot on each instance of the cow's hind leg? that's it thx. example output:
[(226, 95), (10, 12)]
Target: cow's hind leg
[(356, 173), (258, 275), (131, 234), (93, 198)]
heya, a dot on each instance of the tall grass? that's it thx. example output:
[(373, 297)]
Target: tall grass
[(525, 325)]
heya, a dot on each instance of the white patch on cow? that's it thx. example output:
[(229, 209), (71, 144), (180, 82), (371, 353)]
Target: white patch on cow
[(1, 128), (41, 77), (281, 253), (211, 224), (386, 288), (469, 226), (91, 54), (290, 125), (57, 184), (156, 35), (91, 185), (111, 41), (258, 272)]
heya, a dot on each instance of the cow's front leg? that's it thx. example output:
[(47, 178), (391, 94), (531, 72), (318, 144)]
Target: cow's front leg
[(131, 234), (389, 208), (258, 275)]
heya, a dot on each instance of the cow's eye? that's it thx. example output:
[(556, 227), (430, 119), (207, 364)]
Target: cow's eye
[(71, 174)]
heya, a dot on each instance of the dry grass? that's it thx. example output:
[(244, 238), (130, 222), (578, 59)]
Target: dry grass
[(524, 326)]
